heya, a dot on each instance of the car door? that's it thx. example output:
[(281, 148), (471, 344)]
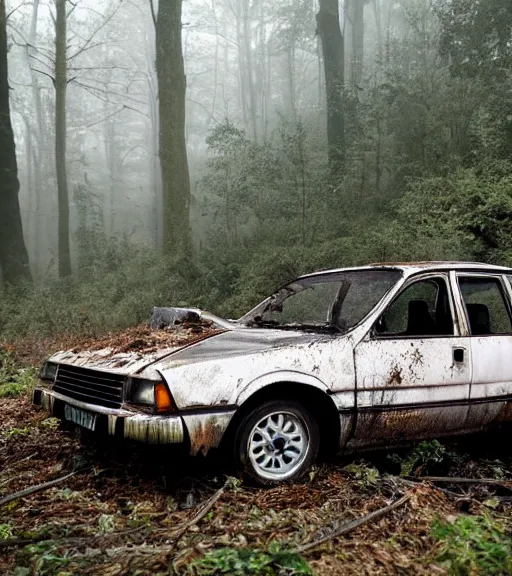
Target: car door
[(486, 300), (413, 368)]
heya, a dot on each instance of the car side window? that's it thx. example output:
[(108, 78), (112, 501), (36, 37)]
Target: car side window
[(422, 309), (486, 308)]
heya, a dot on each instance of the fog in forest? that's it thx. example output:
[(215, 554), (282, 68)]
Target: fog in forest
[(204, 152)]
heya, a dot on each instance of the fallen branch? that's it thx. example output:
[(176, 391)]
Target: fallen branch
[(352, 525), (11, 542), (34, 489), (448, 480), (410, 483), (73, 540), (200, 514), (79, 540)]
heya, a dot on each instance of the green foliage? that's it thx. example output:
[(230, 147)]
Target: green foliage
[(425, 454), (14, 380), (106, 523), (427, 178), (475, 211), (472, 545), (247, 561), (16, 432), (6, 531), (45, 559), (364, 476)]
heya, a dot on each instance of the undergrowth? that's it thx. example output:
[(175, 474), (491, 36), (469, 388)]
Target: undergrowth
[(250, 562), (424, 457), (472, 545), (14, 380)]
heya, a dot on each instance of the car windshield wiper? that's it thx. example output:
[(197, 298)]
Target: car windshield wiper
[(327, 327), (258, 322)]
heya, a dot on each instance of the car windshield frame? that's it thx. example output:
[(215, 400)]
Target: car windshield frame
[(254, 318)]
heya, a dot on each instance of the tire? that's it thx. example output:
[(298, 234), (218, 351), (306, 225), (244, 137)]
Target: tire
[(276, 442)]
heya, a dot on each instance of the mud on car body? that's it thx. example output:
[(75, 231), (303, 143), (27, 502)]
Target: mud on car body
[(336, 360)]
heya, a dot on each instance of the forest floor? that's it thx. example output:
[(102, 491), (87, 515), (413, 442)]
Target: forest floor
[(128, 509)]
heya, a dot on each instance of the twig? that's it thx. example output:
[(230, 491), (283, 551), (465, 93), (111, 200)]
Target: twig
[(11, 542), (78, 540), (153, 15), (201, 513), (448, 480), (33, 489), (443, 490), (352, 525), (74, 540)]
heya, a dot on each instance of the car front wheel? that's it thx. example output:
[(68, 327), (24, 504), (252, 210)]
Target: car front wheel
[(277, 442)]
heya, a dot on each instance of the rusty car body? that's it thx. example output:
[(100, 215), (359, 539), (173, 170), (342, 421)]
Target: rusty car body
[(336, 360)]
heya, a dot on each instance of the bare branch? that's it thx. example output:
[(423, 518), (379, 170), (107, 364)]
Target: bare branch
[(87, 45), (100, 68), (352, 525), (34, 489), (45, 74), (92, 90), (40, 61), (448, 480), (16, 9), (85, 49), (105, 118), (74, 5), (109, 92), (153, 15)]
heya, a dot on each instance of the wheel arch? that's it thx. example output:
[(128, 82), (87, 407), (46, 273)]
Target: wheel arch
[(313, 397)]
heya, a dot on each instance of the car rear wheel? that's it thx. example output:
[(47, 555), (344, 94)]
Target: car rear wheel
[(277, 442)]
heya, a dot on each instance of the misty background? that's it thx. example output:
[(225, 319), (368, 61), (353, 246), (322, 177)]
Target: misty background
[(318, 134)]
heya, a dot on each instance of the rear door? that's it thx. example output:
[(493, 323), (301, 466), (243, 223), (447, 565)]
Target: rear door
[(414, 367), (486, 300)]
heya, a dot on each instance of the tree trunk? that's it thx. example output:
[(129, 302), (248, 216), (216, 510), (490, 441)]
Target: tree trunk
[(60, 138), (173, 152), (333, 52), (13, 253), (250, 68), (355, 15), (38, 147)]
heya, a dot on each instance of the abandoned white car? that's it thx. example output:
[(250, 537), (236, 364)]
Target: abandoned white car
[(336, 360)]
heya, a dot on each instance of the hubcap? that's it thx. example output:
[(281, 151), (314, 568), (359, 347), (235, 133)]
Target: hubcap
[(278, 445)]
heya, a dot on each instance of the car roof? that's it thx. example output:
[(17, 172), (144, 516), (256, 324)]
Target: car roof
[(414, 267)]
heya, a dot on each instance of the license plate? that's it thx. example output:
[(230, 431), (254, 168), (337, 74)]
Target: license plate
[(80, 417)]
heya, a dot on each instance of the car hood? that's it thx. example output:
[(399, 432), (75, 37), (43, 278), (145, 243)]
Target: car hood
[(209, 346), (237, 343)]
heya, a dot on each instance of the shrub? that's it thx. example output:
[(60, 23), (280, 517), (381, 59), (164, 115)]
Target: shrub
[(250, 562), (473, 545)]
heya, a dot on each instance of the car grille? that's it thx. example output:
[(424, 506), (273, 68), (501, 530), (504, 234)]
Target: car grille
[(92, 386)]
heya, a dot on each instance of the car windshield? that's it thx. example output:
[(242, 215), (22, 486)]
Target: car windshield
[(333, 302)]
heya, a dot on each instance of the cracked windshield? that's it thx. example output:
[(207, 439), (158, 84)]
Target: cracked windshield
[(255, 287)]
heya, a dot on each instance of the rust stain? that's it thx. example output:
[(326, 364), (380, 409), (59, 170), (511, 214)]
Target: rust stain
[(205, 434), (417, 357), (395, 376), (506, 413)]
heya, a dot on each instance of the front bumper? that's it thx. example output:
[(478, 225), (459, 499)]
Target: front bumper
[(148, 428)]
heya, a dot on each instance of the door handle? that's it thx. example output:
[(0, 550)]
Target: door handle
[(458, 355)]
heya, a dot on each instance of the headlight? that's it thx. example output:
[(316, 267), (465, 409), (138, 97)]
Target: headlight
[(150, 393), (48, 371)]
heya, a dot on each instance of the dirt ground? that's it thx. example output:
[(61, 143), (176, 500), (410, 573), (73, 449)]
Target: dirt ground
[(133, 510)]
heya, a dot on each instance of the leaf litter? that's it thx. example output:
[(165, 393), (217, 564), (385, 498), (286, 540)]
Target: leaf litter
[(133, 509)]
